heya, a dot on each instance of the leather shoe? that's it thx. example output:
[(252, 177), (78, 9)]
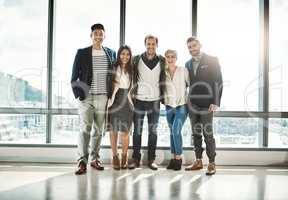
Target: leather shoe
[(96, 164), (124, 161), (211, 169), (134, 163), (197, 165), (81, 169), (116, 162)]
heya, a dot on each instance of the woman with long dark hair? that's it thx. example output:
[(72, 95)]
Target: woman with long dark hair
[(120, 106)]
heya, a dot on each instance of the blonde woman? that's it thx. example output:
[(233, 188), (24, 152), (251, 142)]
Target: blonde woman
[(177, 82)]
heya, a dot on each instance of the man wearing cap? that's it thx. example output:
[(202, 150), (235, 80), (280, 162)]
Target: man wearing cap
[(91, 85)]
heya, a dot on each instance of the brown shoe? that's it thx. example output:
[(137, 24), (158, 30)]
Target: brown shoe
[(211, 169), (133, 163), (124, 161), (116, 162), (197, 165), (96, 164), (81, 169)]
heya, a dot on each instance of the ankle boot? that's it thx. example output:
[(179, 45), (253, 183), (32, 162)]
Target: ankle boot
[(124, 161), (171, 164), (116, 162), (178, 164)]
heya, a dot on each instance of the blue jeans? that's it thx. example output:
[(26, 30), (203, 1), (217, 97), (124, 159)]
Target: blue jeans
[(141, 108), (176, 118)]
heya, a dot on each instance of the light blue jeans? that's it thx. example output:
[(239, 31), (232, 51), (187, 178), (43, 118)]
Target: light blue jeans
[(176, 118)]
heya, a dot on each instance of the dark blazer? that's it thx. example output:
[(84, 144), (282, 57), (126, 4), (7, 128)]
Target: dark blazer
[(206, 86), (82, 72)]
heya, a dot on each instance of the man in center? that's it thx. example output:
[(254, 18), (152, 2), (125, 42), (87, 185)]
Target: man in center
[(149, 72)]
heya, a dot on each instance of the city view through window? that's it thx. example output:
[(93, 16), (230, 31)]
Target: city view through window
[(23, 63)]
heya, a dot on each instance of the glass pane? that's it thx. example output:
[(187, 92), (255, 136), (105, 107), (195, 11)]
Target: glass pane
[(278, 93), (65, 129), (23, 52), (237, 132), (73, 21), (230, 31), (24, 129), (278, 133), (162, 19), (229, 132)]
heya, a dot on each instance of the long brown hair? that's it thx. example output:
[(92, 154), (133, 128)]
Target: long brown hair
[(128, 68)]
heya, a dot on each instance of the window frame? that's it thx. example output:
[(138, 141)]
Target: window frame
[(263, 98)]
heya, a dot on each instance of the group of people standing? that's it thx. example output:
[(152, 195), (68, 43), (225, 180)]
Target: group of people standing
[(116, 92)]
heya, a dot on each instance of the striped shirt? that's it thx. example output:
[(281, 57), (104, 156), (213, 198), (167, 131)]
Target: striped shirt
[(100, 70)]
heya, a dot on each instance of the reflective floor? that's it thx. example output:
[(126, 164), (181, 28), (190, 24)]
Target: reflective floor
[(47, 181)]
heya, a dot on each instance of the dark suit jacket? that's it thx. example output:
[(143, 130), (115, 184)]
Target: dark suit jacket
[(207, 85), (82, 73)]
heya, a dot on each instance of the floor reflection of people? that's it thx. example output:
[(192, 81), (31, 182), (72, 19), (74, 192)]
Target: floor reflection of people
[(121, 187), (195, 186), (151, 187), (175, 190), (94, 186), (82, 190), (135, 186), (48, 189)]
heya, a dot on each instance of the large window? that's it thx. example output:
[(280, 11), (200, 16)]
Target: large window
[(230, 30), (23, 54), (278, 133), (23, 129), (237, 132), (169, 20), (72, 31), (227, 29), (65, 129), (278, 56)]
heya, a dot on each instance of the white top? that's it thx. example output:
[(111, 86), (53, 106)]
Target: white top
[(122, 78), (148, 84), (100, 71), (96, 52), (177, 87)]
